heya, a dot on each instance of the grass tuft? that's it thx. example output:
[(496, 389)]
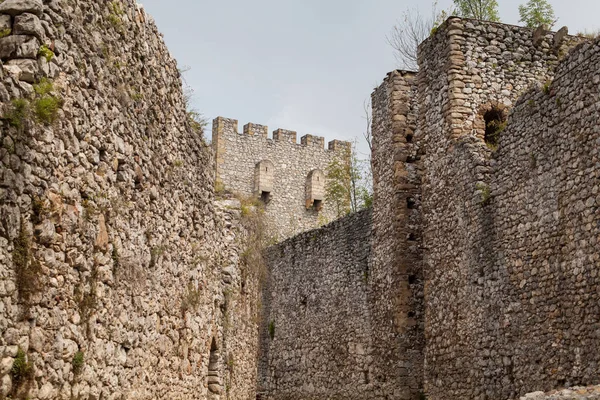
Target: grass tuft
[(19, 112), (272, 329), (78, 362), (21, 372), (46, 109), (45, 52)]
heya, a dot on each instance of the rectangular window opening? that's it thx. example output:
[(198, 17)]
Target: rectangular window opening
[(318, 204), (265, 197)]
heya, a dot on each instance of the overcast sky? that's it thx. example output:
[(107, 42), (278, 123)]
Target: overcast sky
[(304, 65)]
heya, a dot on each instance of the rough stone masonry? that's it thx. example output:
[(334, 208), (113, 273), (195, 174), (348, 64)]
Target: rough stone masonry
[(122, 276), (485, 248), (288, 177)]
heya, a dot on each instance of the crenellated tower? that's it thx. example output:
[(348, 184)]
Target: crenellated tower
[(289, 177)]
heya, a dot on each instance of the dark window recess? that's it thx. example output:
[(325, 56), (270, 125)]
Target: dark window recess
[(495, 123), (303, 301), (412, 279), (411, 203), (411, 314), (412, 237), (317, 205), (409, 138), (265, 197)]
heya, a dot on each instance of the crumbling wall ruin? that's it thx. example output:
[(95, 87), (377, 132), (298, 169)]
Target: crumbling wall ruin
[(481, 278), (474, 276)]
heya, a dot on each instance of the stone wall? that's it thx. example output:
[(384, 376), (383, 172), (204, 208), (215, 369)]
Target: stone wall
[(579, 393), (315, 331), (396, 281), (287, 209), (510, 234), (119, 275)]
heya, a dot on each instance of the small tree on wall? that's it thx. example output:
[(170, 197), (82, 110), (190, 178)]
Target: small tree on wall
[(478, 9), (348, 187), (361, 180), (337, 189), (536, 13)]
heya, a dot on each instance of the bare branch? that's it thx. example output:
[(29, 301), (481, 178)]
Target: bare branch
[(407, 35), (368, 118)]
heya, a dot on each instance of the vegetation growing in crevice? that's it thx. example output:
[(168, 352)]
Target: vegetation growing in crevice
[(18, 113), (589, 34), (22, 375), (46, 52), (190, 299), (485, 193), (155, 253), (46, 104), (28, 270), (272, 329), (116, 259), (115, 16), (42, 107), (38, 210), (85, 295), (532, 160), (547, 87), (195, 118), (78, 362)]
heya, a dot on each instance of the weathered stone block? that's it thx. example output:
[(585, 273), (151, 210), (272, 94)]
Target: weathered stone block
[(10, 45), (28, 24), (28, 69), (16, 7)]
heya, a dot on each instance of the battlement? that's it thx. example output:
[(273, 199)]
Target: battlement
[(229, 126), (289, 177)]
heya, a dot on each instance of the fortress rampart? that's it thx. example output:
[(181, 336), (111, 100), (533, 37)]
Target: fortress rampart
[(474, 276), (278, 170), (120, 275), (484, 239), (316, 334), (396, 281), (486, 333)]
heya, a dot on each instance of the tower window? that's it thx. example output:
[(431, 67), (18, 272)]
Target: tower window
[(315, 190), (263, 180), (495, 123)]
